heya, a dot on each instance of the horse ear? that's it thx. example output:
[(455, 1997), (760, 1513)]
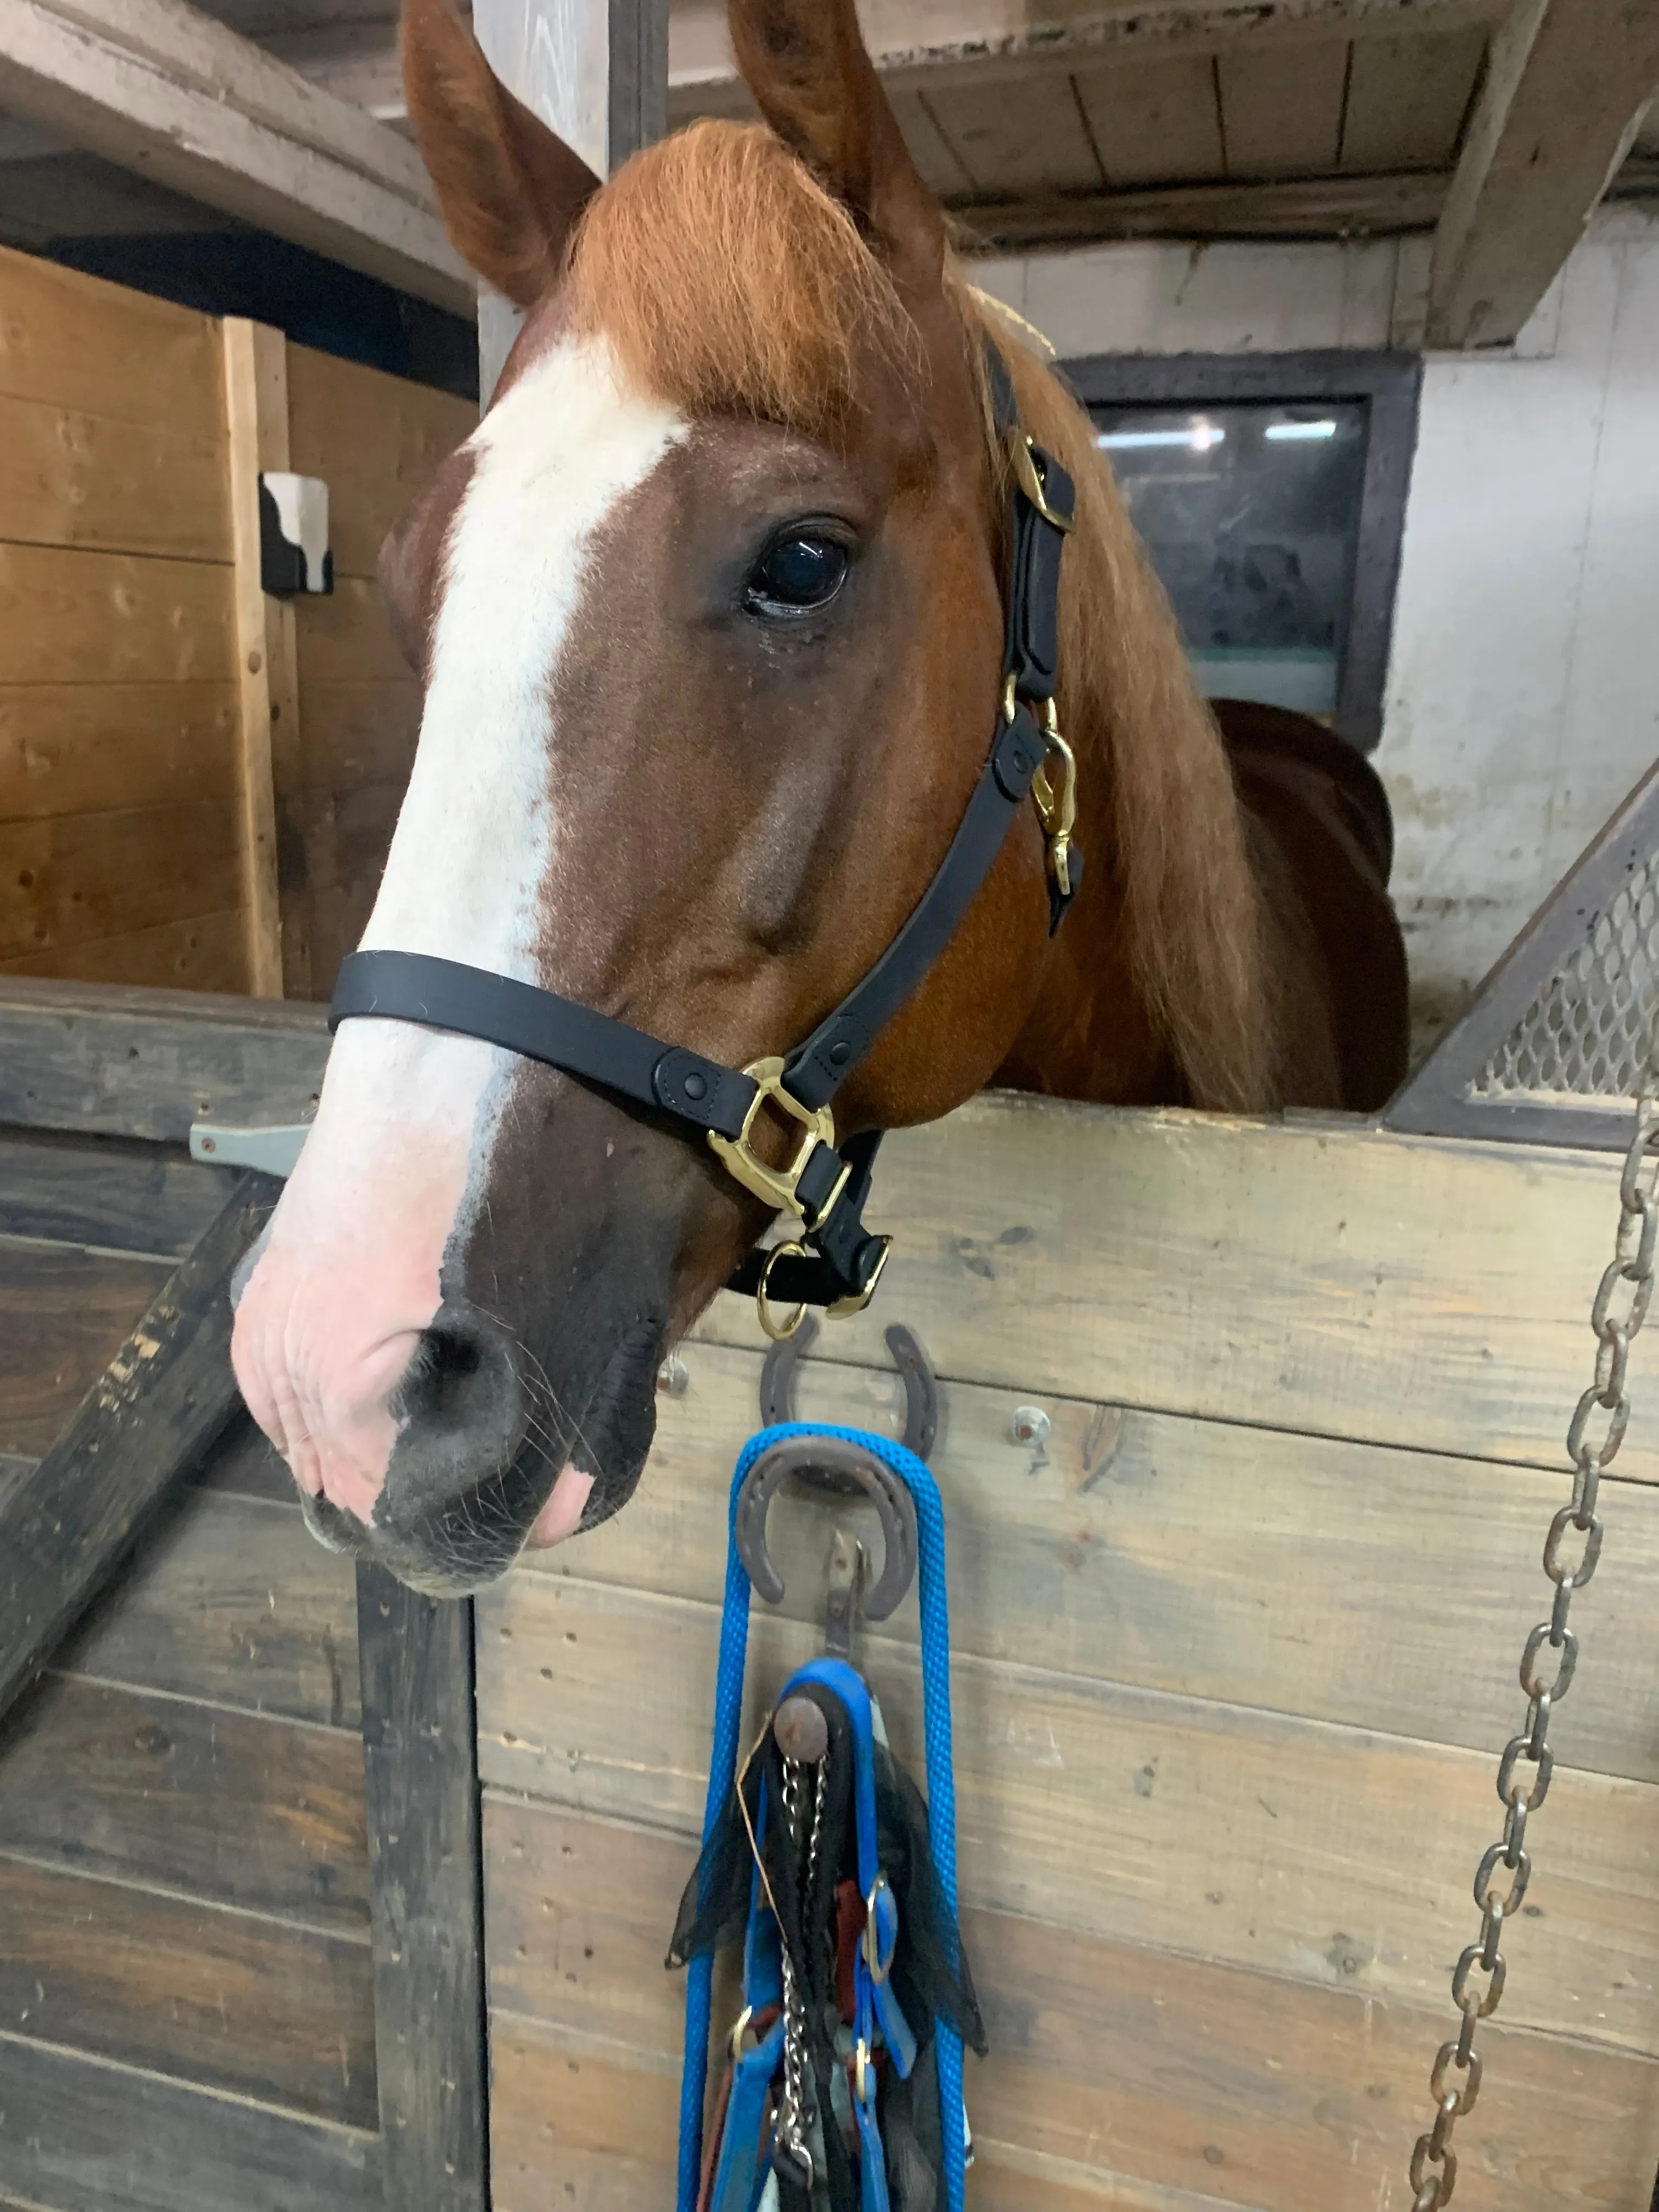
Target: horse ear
[(510, 191), (806, 63)]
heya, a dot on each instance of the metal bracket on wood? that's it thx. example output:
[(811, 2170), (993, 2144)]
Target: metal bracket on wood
[(274, 1151)]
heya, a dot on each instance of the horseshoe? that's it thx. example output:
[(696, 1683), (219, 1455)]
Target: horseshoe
[(852, 1468), (777, 1388)]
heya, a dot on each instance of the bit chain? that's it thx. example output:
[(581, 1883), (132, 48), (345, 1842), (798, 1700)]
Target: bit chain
[(1571, 1550)]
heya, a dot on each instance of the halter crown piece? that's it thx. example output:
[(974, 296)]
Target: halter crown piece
[(833, 1261)]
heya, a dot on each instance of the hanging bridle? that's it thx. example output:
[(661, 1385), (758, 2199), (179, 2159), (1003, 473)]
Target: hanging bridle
[(834, 1261)]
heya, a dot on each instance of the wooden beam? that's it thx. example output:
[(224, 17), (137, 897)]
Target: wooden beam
[(105, 1060), (140, 1431), (426, 1897), (1567, 85), (256, 412), (1326, 207), (162, 89)]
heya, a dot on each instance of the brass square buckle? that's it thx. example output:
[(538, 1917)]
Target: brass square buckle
[(778, 1185)]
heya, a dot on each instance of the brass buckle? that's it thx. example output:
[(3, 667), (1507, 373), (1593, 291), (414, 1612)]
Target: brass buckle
[(855, 1301), (1026, 475), (778, 1330), (778, 1185), (1057, 810)]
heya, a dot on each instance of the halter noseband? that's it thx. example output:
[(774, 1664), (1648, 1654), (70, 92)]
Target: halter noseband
[(834, 1261)]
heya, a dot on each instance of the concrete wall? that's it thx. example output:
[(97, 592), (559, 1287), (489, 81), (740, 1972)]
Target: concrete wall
[(1523, 694)]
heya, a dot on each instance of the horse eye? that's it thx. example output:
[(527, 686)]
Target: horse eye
[(796, 574)]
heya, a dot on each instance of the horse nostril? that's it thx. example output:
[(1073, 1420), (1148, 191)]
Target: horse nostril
[(457, 1374)]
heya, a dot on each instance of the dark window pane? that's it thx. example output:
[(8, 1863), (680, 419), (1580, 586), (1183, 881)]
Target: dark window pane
[(1250, 514)]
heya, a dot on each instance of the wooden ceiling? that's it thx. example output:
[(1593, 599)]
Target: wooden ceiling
[(1036, 121)]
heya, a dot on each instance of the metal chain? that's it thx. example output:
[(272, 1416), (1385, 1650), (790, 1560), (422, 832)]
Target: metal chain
[(1571, 1550)]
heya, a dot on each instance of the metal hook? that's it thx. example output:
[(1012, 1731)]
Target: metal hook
[(852, 1467), (777, 1388)]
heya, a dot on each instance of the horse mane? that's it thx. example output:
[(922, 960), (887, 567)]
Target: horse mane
[(729, 280)]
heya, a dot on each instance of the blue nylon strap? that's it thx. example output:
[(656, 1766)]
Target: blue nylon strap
[(739, 2169), (941, 1789)]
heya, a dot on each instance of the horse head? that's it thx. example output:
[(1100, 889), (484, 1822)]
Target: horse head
[(708, 614)]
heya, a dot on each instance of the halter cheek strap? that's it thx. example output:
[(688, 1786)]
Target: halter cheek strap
[(833, 1262)]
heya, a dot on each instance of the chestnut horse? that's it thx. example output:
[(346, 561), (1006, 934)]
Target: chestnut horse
[(708, 616)]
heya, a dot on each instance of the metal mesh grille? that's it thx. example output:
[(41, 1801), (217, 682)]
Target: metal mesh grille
[(1587, 1033)]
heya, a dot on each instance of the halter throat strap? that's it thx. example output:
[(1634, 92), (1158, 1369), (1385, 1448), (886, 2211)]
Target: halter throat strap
[(833, 1262)]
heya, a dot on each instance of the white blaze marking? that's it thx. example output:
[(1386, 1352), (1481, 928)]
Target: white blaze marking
[(399, 1152)]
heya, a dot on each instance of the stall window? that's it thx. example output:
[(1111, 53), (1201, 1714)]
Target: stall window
[(1269, 491)]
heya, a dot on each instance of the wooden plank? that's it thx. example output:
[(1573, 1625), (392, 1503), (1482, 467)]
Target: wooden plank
[(915, 45), (111, 1061), (80, 2135), (71, 617), (1154, 121), (1316, 207), (377, 439), (204, 953), (1148, 1548), (591, 2129), (78, 748), (1019, 137), (74, 879), (360, 733), (121, 1197), (421, 1788), (256, 410), (1566, 85), (217, 1998), (152, 1412), (347, 638), (63, 1315), (189, 1800), (156, 86), (75, 342), (1281, 113), (1327, 1855), (236, 1602), (1407, 99), (1312, 1276), (1124, 2067), (69, 478)]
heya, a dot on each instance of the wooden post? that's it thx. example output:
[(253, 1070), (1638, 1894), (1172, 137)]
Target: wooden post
[(256, 409), (597, 72)]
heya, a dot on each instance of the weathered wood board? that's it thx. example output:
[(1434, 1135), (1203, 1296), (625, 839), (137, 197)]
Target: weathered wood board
[(1235, 1653), (187, 2013)]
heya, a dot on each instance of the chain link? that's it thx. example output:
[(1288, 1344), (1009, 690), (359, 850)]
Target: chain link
[(1571, 1550), (796, 2108)]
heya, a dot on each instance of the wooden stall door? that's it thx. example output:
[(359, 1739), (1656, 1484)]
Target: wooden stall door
[(198, 783), (1233, 1655), (187, 2017)]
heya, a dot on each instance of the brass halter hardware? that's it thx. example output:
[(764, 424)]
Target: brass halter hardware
[(1056, 809), (779, 1330), (1030, 480), (778, 1186), (844, 1309)]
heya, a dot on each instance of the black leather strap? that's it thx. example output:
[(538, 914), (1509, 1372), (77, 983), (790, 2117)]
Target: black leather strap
[(816, 1069), (446, 994)]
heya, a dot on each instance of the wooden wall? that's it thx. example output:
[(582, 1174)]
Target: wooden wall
[(181, 760), (187, 1990), (1236, 1651)]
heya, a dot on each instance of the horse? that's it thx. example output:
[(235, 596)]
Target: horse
[(708, 617)]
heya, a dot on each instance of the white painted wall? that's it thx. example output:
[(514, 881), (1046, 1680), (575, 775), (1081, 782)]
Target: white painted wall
[(1524, 694)]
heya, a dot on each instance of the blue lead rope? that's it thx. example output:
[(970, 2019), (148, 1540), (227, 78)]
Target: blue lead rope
[(941, 1787)]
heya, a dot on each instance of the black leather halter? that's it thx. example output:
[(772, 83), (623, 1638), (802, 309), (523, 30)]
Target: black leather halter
[(836, 1262)]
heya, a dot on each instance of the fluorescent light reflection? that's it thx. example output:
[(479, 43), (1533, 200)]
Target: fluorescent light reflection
[(1287, 431), (1198, 438)]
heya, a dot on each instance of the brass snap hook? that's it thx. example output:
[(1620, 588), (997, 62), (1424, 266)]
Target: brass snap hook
[(779, 1331)]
